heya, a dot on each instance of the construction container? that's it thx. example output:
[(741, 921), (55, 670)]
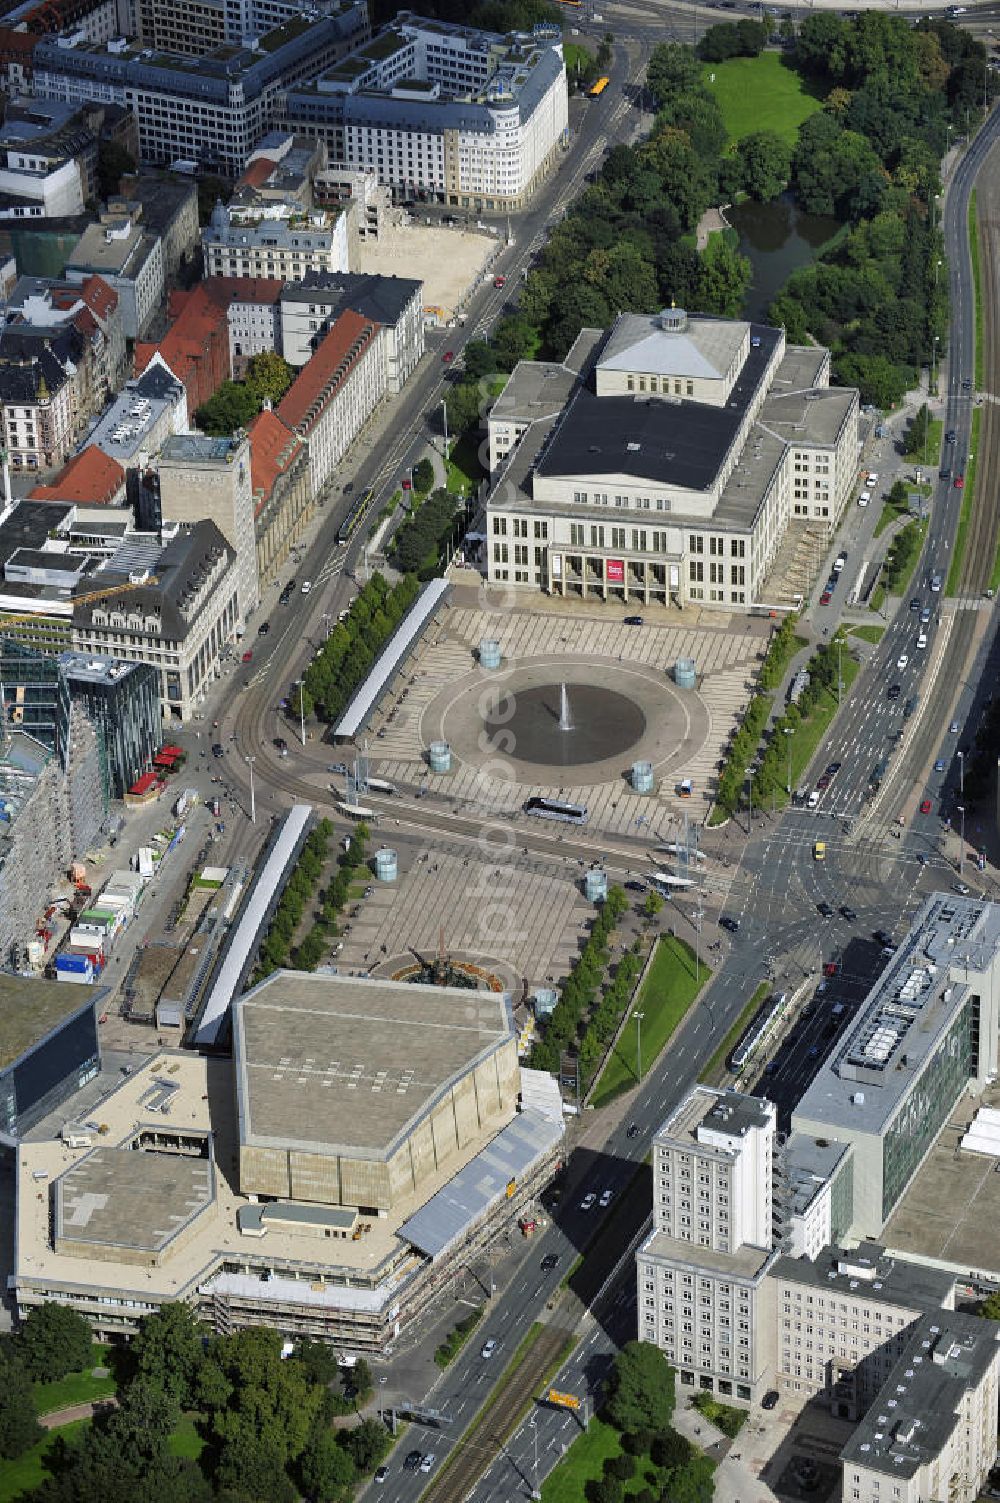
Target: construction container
[(489, 653), (386, 865), (439, 756), (76, 968)]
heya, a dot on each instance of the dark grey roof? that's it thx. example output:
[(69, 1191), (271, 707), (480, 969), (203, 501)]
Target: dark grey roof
[(868, 1272), (29, 525), (916, 1409), (156, 382), (383, 299), (670, 443), (179, 569), (23, 368)]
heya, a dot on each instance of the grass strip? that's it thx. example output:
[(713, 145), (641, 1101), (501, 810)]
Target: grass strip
[(458, 1336), (974, 255), (968, 501), (671, 985), (867, 633), (715, 1070), (809, 733)]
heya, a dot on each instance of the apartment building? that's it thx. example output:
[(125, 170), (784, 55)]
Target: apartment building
[(282, 499), (926, 1034), (168, 207), (275, 240), (195, 27), (308, 309), (209, 109), (336, 393), (932, 1429), (444, 112), (702, 1290), (140, 419), (674, 466), (129, 260), (38, 396), (50, 305)]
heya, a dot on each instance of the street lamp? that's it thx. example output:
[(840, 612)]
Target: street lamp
[(302, 710), (961, 836), (253, 806), (788, 733), (749, 778), (638, 1043), (961, 774), (533, 1422)]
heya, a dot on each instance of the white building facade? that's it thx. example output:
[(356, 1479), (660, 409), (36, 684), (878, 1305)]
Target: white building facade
[(275, 240)]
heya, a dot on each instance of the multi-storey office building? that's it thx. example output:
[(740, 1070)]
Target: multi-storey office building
[(675, 467), (200, 477), (701, 1274), (280, 241), (119, 250), (932, 1429), (444, 112), (309, 309), (210, 110), (926, 1033), (336, 393), (199, 26)]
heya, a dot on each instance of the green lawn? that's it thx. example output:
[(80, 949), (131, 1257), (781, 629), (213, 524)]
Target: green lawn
[(725, 1418), (464, 469), (760, 93), (185, 1441), (667, 992), (965, 515), (868, 633), (76, 1388), (809, 733), (715, 1070), (583, 1461), (28, 1471)]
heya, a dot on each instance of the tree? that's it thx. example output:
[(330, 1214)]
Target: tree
[(54, 1341), (234, 405), (366, 1444), (479, 359), (269, 376), (640, 1389), (691, 1483), (989, 1308), (652, 905), (326, 1470), (670, 1449), (19, 1429), (766, 162), (113, 163), (723, 278), (168, 1349), (672, 68), (423, 475)]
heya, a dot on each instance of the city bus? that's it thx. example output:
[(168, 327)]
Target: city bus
[(553, 808), (760, 1030), (355, 811), (381, 785), (668, 880), (597, 87)]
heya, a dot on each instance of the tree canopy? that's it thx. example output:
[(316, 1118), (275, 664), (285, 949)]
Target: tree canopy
[(640, 1394)]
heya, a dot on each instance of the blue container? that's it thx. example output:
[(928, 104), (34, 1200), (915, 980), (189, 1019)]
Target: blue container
[(73, 963), (544, 1001), (386, 865), (595, 885), (439, 756), (685, 673), (489, 653), (641, 777)]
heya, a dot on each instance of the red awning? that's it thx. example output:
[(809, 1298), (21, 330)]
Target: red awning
[(171, 751), (145, 783)]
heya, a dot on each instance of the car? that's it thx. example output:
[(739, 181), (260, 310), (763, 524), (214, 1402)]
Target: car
[(925, 615), (936, 582), (825, 910), (951, 436), (940, 765), (634, 886), (925, 806), (921, 640), (823, 783), (953, 728), (588, 1202), (633, 620), (770, 1400), (263, 628), (633, 1130), (336, 767), (832, 768), (959, 482), (306, 586), (967, 384), (894, 691), (488, 1348), (247, 657), (864, 498), (218, 750), (281, 746), (902, 661), (427, 1462), (944, 473), (848, 913), (500, 281), (730, 924), (549, 1262), (839, 563), (831, 583), (380, 1474), (871, 478), (824, 599), (814, 1052), (961, 889), (606, 1198), (908, 708), (813, 799), (915, 603), (448, 356), (412, 1462)]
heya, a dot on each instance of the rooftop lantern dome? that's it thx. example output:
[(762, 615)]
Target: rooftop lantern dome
[(673, 320)]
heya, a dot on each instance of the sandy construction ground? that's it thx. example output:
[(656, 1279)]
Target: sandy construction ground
[(447, 260)]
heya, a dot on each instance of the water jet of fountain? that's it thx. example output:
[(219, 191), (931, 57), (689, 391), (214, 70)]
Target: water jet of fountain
[(565, 714)]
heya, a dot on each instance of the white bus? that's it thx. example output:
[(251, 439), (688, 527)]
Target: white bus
[(673, 849), (355, 811), (381, 785), (667, 879)]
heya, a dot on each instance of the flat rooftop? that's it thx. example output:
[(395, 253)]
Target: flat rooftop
[(204, 1101), (863, 1079), (809, 1163), (328, 1062), (869, 1271), (31, 1009), (745, 1263), (915, 1410), (135, 1201), (728, 1112), (950, 1211)]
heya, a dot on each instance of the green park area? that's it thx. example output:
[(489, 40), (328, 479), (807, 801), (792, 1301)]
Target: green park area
[(761, 93), (672, 982)]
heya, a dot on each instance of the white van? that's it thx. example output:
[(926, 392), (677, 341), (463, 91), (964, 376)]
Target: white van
[(864, 498), (936, 583), (922, 639), (813, 799), (306, 586)]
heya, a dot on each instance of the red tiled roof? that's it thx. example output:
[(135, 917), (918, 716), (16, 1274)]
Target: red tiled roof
[(324, 375), (257, 173), (273, 449), (91, 478), (228, 290), (195, 347), (99, 296)]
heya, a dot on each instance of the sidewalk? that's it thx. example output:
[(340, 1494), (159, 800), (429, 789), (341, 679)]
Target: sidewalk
[(736, 1477)]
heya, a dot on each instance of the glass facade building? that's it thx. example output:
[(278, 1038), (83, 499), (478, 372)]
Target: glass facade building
[(926, 1108), (36, 695), (49, 1071)]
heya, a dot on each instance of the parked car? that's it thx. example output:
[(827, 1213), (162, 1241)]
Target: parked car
[(633, 620), (848, 913), (606, 1198), (380, 1474), (953, 728), (448, 356), (824, 599), (940, 765), (770, 1400), (247, 657), (925, 806), (263, 628), (825, 910)]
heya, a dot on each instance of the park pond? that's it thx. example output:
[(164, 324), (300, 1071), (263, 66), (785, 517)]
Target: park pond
[(778, 238)]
